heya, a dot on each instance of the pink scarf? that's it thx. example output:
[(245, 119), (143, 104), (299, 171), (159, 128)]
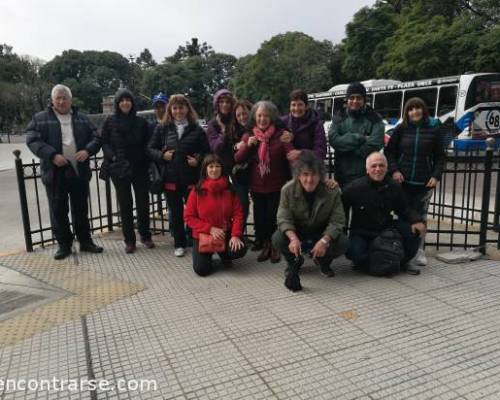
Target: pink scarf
[(263, 151)]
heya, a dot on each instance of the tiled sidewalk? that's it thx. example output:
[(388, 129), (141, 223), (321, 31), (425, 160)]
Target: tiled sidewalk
[(239, 334)]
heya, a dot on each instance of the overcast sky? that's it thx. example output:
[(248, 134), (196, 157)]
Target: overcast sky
[(45, 28)]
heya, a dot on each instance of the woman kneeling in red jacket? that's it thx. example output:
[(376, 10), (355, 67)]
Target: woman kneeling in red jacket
[(214, 208)]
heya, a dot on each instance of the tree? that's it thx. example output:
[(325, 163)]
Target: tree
[(283, 63), (145, 60), (91, 75), (191, 49), (21, 91), (487, 53), (424, 45), (364, 46)]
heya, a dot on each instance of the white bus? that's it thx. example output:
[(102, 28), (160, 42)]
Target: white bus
[(469, 103)]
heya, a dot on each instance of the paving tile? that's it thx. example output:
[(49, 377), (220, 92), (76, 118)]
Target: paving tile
[(251, 387), (373, 367), (209, 365), (313, 379), (298, 308), (245, 320), (329, 334), (273, 348)]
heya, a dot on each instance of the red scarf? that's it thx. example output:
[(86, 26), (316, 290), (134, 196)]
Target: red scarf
[(263, 151), (215, 186)]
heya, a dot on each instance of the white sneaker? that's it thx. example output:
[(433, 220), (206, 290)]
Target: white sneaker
[(179, 252), (420, 258)]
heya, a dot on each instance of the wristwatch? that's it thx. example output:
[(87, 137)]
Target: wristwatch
[(325, 242)]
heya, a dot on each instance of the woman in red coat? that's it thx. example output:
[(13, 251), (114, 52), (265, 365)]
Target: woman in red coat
[(266, 154), (214, 208)]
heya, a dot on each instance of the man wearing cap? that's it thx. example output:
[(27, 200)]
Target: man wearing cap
[(64, 139), (160, 102), (355, 133)]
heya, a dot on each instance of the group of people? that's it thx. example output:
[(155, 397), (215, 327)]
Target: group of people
[(247, 152)]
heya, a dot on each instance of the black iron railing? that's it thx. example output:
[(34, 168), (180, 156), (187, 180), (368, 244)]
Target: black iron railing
[(464, 210)]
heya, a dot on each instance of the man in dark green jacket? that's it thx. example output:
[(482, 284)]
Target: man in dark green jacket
[(354, 134), (310, 220), (64, 139)]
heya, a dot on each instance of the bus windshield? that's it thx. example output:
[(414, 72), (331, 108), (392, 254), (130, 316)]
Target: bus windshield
[(484, 89)]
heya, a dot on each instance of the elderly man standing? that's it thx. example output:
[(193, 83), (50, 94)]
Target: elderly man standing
[(372, 200), (354, 134), (64, 139), (310, 220)]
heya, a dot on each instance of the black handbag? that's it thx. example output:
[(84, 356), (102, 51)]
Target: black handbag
[(115, 170), (241, 173), (155, 178)]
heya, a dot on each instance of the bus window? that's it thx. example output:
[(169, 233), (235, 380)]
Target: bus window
[(312, 104), (447, 99), (429, 95), (483, 89), (369, 100), (324, 109), (388, 105)]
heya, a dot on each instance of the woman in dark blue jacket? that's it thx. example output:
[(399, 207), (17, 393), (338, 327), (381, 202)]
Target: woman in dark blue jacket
[(416, 155), (124, 139)]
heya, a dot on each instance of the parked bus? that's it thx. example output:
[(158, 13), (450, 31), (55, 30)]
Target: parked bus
[(469, 104)]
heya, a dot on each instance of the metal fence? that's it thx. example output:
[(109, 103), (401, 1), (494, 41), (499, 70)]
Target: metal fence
[(464, 210)]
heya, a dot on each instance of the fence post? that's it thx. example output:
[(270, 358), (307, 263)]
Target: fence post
[(485, 206), (24, 201), (109, 204)]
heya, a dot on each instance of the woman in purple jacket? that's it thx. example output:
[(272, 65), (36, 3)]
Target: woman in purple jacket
[(306, 127), (220, 129)]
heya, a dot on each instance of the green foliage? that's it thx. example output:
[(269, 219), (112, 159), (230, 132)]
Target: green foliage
[(425, 46), (488, 58), (145, 60), (364, 45), (21, 91), (191, 49), (198, 73), (90, 75), (283, 63)]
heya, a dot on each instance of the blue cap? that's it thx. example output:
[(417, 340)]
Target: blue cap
[(160, 98)]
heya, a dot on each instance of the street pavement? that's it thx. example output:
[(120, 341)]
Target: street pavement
[(239, 334)]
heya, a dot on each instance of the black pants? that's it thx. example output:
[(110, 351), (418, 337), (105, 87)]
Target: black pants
[(265, 208), (77, 190), (139, 181), (308, 240), (175, 201), (202, 262), (242, 193)]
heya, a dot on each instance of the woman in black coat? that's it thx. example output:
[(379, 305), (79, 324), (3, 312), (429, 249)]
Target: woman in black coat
[(124, 141), (178, 144)]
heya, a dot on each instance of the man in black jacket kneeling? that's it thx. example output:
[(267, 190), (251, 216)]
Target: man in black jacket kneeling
[(372, 200)]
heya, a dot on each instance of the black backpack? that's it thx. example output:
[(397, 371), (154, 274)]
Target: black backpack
[(386, 253)]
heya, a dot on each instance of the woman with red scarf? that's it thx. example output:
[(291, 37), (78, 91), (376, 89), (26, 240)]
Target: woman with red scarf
[(214, 208), (269, 171)]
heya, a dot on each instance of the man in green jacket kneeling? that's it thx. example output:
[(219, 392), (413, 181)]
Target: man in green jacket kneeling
[(310, 220)]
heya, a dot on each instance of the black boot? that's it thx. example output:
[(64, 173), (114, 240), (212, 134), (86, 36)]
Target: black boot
[(62, 252), (90, 247), (292, 279)]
